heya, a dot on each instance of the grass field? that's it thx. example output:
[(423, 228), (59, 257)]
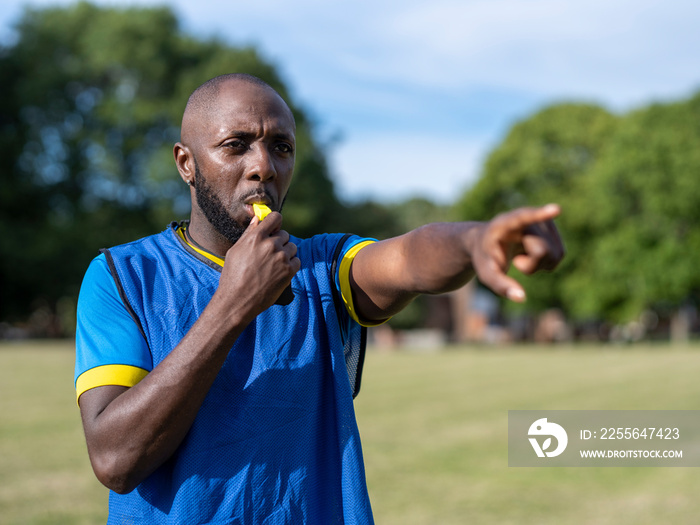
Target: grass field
[(434, 430)]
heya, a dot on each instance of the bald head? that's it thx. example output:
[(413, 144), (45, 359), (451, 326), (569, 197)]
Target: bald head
[(205, 101)]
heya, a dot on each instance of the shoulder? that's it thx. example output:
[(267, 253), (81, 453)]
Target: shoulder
[(97, 280), (140, 260), (328, 246), (148, 244)]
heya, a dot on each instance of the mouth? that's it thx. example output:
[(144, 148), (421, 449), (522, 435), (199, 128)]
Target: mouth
[(256, 199), (260, 198)]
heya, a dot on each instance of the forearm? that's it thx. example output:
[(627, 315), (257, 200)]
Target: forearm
[(140, 428), (435, 258)]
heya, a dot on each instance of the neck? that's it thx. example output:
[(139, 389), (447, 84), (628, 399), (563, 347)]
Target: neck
[(206, 236)]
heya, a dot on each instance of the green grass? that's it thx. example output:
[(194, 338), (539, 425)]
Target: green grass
[(45, 475), (434, 430)]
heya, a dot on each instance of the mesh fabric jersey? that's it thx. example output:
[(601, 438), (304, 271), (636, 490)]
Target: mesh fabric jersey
[(275, 440)]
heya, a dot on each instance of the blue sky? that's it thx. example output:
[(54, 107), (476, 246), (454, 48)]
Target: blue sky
[(420, 91)]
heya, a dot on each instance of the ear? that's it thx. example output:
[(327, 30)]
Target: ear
[(184, 160)]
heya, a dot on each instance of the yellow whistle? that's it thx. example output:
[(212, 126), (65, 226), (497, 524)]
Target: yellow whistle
[(261, 211)]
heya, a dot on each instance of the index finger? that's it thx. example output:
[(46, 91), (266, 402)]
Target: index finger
[(270, 224), (518, 219)]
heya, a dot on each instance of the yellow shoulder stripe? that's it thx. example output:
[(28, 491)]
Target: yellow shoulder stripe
[(346, 290), (122, 375), (218, 260)]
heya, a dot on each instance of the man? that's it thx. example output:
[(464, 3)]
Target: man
[(202, 400)]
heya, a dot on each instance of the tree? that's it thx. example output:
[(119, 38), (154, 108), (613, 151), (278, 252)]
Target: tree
[(545, 158), (91, 100), (628, 186), (643, 212)]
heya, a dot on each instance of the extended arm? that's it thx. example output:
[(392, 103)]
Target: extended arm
[(437, 258), (131, 431)]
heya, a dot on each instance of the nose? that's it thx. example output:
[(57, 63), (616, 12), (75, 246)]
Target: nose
[(261, 167)]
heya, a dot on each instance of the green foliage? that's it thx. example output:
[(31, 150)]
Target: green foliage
[(416, 212), (645, 189), (373, 219), (628, 187), (401, 218), (545, 158), (91, 103), (311, 206)]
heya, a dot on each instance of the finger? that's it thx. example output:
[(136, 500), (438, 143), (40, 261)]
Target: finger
[(271, 224), (525, 264), (281, 237), (551, 228), (536, 250), (517, 220), (290, 249), (495, 278), (556, 242), (547, 239)]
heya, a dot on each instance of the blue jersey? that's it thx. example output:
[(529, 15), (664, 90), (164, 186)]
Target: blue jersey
[(275, 440)]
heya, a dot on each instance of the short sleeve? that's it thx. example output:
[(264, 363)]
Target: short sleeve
[(110, 349), (352, 247)]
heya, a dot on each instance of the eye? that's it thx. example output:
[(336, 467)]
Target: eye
[(237, 144), (284, 147)]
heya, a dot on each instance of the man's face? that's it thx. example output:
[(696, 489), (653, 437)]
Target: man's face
[(244, 153)]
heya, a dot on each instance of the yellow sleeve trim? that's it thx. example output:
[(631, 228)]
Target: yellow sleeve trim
[(122, 375), (345, 288)]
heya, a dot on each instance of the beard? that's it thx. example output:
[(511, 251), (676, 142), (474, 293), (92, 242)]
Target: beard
[(215, 211)]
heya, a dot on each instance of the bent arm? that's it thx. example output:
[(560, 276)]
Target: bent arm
[(130, 432), (438, 258)]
